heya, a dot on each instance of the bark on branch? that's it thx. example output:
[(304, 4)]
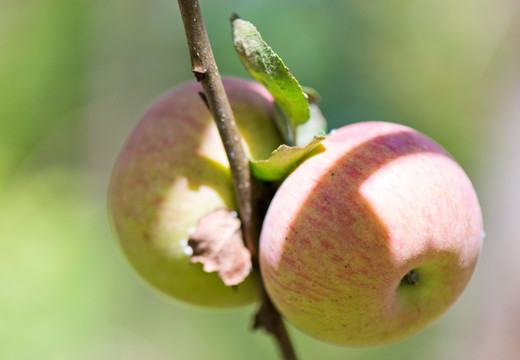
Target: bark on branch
[(204, 68)]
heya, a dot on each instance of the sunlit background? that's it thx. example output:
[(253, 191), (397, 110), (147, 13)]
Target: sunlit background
[(75, 75)]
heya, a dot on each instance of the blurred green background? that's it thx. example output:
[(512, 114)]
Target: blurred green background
[(75, 75)]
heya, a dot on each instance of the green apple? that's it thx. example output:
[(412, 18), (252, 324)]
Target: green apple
[(373, 239), (171, 171)]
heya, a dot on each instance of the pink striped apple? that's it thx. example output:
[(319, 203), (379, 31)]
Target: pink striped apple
[(373, 239), (171, 171)]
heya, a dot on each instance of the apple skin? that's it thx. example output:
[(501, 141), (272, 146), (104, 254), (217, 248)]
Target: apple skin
[(348, 225), (171, 171)]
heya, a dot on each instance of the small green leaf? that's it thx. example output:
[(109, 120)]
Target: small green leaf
[(316, 125), (284, 160), (267, 68)]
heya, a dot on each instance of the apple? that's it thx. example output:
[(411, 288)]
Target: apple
[(171, 171), (373, 239)]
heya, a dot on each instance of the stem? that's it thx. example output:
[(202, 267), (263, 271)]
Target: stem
[(269, 318), (204, 68)]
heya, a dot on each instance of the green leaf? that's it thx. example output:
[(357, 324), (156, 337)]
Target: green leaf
[(285, 159), (267, 68), (316, 125)]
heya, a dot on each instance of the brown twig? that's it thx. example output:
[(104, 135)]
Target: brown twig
[(205, 70), (269, 318)]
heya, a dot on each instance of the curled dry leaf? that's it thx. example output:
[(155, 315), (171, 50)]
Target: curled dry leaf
[(217, 244)]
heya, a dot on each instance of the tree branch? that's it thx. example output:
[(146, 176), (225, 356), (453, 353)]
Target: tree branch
[(269, 318), (205, 70)]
